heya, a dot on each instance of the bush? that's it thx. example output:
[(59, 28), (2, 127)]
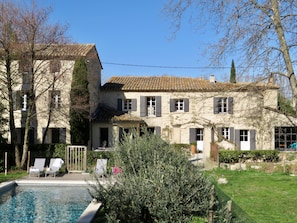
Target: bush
[(235, 156), (158, 184)]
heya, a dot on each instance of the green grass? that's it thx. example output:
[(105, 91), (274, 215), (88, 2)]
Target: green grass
[(12, 175), (264, 197)]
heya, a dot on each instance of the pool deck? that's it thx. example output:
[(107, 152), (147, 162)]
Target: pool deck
[(71, 179)]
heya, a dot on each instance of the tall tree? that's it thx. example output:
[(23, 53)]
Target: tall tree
[(232, 73), (79, 108), (27, 33), (261, 33)]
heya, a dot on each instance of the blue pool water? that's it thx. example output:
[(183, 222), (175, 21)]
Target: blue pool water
[(26, 204)]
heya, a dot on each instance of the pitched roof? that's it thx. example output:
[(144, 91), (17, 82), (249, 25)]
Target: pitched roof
[(182, 84)]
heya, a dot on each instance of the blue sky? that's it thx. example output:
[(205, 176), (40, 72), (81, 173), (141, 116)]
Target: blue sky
[(136, 32)]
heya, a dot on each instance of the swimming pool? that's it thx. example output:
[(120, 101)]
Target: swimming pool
[(43, 204)]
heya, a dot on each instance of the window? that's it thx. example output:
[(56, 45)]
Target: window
[(223, 105), (127, 105), (199, 134), (150, 106), (179, 105), (55, 99), (55, 66), (285, 137), (226, 133), (243, 135), (55, 135), (20, 100)]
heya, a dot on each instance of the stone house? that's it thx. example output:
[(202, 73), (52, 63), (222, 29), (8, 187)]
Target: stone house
[(53, 76), (241, 116)]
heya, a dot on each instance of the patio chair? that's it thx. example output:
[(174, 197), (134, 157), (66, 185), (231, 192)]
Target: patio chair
[(38, 167), (101, 167), (54, 167)]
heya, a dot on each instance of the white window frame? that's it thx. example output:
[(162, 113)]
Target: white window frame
[(179, 105), (127, 104), (56, 99), (199, 134), (223, 105), (25, 102), (151, 106), (226, 133), (244, 135)]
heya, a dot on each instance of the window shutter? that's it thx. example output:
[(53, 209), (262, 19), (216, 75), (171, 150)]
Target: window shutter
[(192, 135), (142, 106), (253, 139), (230, 105), (120, 104), (237, 138), (215, 105), (186, 100), (212, 135), (134, 104), (172, 105), (220, 133), (158, 106), (231, 134), (62, 138), (158, 130)]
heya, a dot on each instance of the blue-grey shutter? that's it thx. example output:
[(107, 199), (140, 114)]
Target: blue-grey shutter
[(253, 139), (134, 104), (62, 137), (230, 105), (120, 104), (158, 106), (143, 105), (158, 130), (220, 135), (231, 134), (237, 138), (186, 100), (192, 135), (172, 105), (215, 105)]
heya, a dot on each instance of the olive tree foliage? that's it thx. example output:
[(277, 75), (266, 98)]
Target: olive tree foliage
[(25, 34), (157, 184), (262, 34)]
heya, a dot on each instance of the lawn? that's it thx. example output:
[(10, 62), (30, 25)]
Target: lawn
[(12, 175), (265, 197)]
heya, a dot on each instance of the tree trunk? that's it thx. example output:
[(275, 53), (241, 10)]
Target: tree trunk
[(285, 50)]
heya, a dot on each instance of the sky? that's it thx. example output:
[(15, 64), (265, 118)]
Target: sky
[(133, 37)]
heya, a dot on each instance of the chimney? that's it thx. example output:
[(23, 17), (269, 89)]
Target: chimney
[(212, 79)]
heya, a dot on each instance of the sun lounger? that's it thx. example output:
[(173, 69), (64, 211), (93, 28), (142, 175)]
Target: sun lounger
[(38, 167), (54, 166)]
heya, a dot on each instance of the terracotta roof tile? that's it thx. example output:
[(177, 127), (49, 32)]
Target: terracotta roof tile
[(169, 83)]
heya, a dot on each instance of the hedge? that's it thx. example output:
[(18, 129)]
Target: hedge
[(235, 156)]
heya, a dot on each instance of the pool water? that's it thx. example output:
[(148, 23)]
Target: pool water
[(43, 204)]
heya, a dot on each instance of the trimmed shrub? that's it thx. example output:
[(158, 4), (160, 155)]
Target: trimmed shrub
[(235, 156)]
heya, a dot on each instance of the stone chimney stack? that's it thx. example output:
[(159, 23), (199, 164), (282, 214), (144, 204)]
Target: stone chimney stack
[(212, 79)]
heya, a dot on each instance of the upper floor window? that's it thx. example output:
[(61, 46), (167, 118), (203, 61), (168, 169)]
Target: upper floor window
[(150, 106), (179, 105), (127, 104), (20, 100), (55, 66), (223, 105), (55, 99)]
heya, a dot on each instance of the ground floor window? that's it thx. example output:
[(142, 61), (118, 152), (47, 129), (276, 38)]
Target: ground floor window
[(285, 137), (103, 137)]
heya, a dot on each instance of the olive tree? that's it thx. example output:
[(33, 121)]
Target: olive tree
[(157, 184)]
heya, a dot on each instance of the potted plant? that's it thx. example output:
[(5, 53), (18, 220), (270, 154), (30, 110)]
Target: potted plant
[(193, 147)]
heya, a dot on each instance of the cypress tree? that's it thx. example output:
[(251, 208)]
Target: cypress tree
[(233, 73), (79, 104)]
